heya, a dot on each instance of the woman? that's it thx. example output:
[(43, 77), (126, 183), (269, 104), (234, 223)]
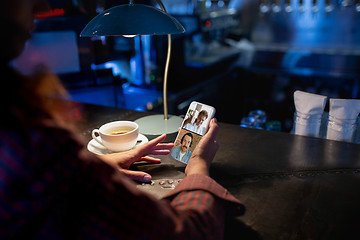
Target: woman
[(52, 188)]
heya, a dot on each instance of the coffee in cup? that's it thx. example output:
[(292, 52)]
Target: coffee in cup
[(117, 136), (119, 131)]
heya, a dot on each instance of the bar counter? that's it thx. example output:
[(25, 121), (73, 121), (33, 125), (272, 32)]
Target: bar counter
[(293, 187)]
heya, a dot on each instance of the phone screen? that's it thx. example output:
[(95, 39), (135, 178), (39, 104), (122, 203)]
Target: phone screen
[(193, 127)]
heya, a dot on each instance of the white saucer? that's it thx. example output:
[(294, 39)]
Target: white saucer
[(95, 147)]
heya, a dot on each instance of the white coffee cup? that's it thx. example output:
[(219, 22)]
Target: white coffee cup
[(117, 136)]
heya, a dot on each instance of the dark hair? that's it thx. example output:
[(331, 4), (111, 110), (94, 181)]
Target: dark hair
[(204, 112), (187, 134)]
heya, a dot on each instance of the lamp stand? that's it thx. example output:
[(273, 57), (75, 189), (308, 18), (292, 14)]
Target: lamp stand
[(159, 124), (156, 124)]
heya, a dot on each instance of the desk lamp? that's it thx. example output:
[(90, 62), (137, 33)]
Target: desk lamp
[(130, 20)]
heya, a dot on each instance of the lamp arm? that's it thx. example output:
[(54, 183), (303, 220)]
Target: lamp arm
[(166, 67), (161, 5), (166, 78)]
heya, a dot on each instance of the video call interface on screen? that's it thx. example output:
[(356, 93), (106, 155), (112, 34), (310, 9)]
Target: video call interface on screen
[(193, 128)]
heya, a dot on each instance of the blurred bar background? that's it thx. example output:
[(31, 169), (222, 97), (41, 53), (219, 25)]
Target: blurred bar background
[(237, 55)]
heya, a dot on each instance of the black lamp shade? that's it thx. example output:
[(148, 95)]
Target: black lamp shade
[(132, 19)]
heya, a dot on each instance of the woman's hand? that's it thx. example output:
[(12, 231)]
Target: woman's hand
[(204, 152), (123, 160)]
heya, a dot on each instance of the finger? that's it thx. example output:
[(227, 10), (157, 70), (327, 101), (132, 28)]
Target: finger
[(163, 146), (137, 175), (146, 148), (213, 129), (149, 159), (153, 143), (158, 139), (160, 152), (213, 123)]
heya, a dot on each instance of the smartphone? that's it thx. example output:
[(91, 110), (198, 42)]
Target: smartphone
[(194, 126)]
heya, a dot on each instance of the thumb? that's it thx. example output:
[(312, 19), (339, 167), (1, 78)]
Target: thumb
[(137, 175)]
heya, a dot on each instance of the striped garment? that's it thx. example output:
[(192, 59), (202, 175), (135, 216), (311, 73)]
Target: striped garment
[(51, 188)]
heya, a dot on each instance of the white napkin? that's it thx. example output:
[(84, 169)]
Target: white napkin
[(309, 109), (343, 114), (309, 103)]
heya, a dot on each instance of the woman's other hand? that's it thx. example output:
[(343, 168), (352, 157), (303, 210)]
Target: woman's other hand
[(123, 160)]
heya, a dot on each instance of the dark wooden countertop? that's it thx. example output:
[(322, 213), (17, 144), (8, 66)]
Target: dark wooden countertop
[(293, 187)]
